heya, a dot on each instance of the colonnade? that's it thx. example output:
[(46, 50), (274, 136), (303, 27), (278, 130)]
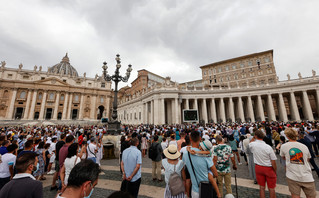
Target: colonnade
[(279, 106)]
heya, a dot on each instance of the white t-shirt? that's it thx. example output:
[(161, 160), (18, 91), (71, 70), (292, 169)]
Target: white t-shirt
[(91, 150), (69, 163), (169, 168), (173, 143), (164, 145), (52, 147), (263, 153), (7, 159), (297, 166)]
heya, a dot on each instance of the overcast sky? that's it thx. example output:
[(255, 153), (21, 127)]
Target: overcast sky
[(167, 37)]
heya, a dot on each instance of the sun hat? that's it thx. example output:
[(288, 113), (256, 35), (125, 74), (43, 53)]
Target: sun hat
[(229, 196), (206, 145), (171, 152)]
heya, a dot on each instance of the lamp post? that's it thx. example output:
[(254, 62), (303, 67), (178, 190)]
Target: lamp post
[(114, 124)]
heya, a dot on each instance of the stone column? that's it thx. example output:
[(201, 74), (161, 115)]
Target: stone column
[(93, 106), (240, 109), (282, 108), (81, 107), (196, 105), (65, 106), (56, 106), (250, 109), (271, 110), (204, 110), (260, 109), (152, 112), (186, 103), (213, 110), (317, 101), (68, 115), (27, 106), (177, 110), (43, 103), (294, 108), (143, 117), (231, 110), (34, 100), (11, 106), (156, 119), (162, 111), (306, 106), (222, 110)]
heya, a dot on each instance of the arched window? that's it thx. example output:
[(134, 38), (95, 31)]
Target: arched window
[(40, 96), (62, 97), (51, 96), (23, 94)]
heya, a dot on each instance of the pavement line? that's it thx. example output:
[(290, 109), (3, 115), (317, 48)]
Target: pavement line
[(248, 183)]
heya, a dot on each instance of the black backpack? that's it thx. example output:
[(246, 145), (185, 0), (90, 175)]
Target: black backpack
[(152, 153)]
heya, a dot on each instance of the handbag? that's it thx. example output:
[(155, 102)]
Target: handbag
[(205, 188)]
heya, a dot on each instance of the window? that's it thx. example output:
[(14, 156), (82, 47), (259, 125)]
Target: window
[(219, 69), (252, 74), (10, 75), (42, 78), (228, 78), (23, 95), (250, 63), (267, 60), (51, 96), (102, 99), (103, 85), (260, 73), (227, 68), (214, 70), (210, 72), (221, 79), (76, 98), (64, 80), (62, 97), (25, 77), (90, 84), (269, 71), (242, 65), (236, 76), (258, 61), (234, 66), (78, 83), (251, 69)]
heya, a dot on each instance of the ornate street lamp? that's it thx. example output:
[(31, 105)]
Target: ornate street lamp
[(114, 124)]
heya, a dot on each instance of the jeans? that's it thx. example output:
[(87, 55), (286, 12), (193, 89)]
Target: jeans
[(227, 178)]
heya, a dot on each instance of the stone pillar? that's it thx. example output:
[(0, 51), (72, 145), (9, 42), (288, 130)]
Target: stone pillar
[(240, 109), (250, 109), (222, 110), (196, 105), (306, 106), (34, 100), (213, 110), (43, 103), (93, 106), (317, 101), (294, 108), (156, 108), (81, 107), (56, 106), (177, 110), (231, 110), (27, 106), (11, 106), (282, 108), (204, 110), (152, 112), (65, 106), (260, 109), (186, 103), (271, 110), (68, 115), (162, 111)]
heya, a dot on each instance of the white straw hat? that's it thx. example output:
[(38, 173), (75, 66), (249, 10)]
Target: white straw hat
[(171, 152), (206, 145)]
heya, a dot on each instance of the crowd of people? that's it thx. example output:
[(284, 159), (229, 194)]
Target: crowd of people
[(200, 154), (196, 160)]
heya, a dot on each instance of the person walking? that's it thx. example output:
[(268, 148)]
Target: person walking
[(131, 168), (298, 171), (157, 160), (265, 164)]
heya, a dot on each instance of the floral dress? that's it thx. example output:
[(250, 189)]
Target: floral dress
[(41, 163)]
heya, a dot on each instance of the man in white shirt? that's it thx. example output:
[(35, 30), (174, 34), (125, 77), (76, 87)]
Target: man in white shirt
[(298, 170), (265, 168), (7, 164), (92, 150)]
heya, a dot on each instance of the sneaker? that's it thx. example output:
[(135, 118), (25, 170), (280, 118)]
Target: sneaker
[(51, 172), (239, 163)]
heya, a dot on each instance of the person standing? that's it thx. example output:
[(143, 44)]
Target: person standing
[(222, 156), (58, 146), (265, 164), (131, 168), (157, 161), (7, 163), (23, 184), (298, 171)]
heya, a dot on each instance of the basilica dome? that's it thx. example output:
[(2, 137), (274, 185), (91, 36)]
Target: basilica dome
[(64, 68)]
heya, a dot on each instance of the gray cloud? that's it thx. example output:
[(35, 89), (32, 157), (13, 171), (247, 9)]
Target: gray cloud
[(168, 37)]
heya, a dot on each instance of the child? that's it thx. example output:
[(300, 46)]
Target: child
[(233, 145)]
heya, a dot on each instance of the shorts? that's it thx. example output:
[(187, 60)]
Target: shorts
[(235, 150), (266, 174), (52, 158), (295, 187), (57, 166)]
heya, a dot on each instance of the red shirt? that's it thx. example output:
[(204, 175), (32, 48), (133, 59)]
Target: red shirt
[(62, 154)]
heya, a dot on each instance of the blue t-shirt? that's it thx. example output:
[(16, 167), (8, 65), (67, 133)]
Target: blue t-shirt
[(233, 145), (201, 166), (3, 150)]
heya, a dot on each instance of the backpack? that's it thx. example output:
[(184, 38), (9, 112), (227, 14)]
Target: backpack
[(152, 152), (175, 183)]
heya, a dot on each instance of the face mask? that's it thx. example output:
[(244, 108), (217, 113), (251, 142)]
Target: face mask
[(89, 194)]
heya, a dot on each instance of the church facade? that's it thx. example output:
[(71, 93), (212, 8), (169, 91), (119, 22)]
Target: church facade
[(56, 94), (242, 89)]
